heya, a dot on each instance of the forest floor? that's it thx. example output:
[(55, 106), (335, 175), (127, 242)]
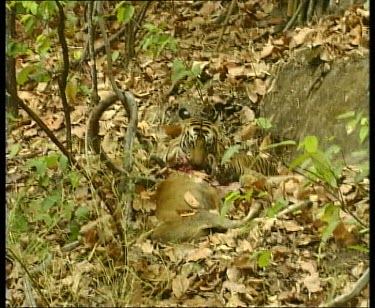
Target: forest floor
[(64, 248)]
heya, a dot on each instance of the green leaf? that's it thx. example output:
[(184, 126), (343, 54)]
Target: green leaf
[(359, 248), (360, 153), (43, 44), (196, 70), (279, 144), (229, 153), (14, 149), (311, 144), (52, 160), (77, 54), (74, 231), (30, 6), (299, 160), (39, 164), (276, 208), (125, 13), (179, 71), (71, 91), (40, 75), (324, 168), (332, 217), (333, 149), (151, 28), (264, 258), (264, 123), (232, 196), (29, 22), (68, 210), (23, 75), (115, 55), (82, 213), (346, 115), (74, 178), (44, 217), (15, 49), (63, 162), (363, 133), (51, 200)]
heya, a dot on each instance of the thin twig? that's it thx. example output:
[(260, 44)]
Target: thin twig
[(295, 15), (34, 281), (230, 11), (341, 300), (91, 40), (62, 81)]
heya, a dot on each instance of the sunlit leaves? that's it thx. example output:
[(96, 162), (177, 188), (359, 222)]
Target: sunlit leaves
[(124, 12), (156, 40), (264, 123)]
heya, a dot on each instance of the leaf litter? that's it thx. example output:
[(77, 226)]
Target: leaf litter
[(221, 269)]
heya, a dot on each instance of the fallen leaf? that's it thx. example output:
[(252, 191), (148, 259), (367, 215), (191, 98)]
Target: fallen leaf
[(234, 287), (180, 285), (291, 226), (198, 254), (191, 200), (266, 51)]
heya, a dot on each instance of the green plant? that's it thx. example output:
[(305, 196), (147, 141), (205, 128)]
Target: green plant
[(124, 11), (232, 197), (156, 40), (276, 208), (318, 165), (49, 206), (263, 258), (357, 123)]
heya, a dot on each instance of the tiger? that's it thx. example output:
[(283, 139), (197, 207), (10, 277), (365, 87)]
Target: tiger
[(242, 163), (200, 144)]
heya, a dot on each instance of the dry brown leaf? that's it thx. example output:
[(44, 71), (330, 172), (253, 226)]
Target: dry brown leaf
[(236, 71), (198, 254), (312, 282), (266, 51), (209, 7), (301, 37), (233, 274), (180, 285), (244, 246), (54, 121), (79, 131), (234, 301), (291, 226), (260, 86), (78, 114), (267, 7), (147, 248), (342, 235), (266, 142), (234, 287), (30, 133), (248, 132), (108, 115), (191, 200)]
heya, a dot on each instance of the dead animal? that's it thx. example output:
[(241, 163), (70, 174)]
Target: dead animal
[(187, 208)]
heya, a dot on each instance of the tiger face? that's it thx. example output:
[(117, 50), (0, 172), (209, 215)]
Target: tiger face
[(200, 143)]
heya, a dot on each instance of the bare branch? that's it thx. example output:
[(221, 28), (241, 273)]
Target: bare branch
[(63, 79), (357, 288)]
